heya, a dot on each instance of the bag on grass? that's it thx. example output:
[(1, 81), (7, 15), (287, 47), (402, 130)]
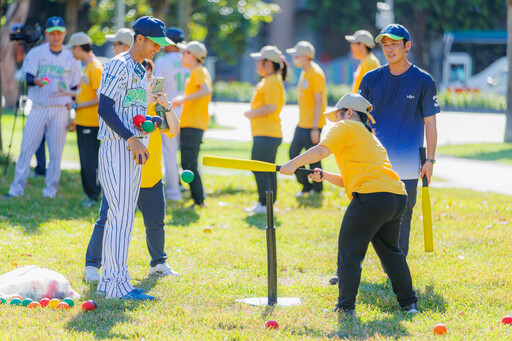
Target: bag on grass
[(35, 283)]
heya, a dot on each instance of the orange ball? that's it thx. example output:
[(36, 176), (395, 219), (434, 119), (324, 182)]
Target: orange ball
[(62, 305), (440, 329), (34, 304)]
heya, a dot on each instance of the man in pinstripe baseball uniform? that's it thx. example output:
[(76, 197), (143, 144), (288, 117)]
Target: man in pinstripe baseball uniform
[(47, 67), (175, 75), (123, 95)]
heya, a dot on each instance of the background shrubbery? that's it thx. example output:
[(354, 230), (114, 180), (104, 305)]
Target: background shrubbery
[(242, 92)]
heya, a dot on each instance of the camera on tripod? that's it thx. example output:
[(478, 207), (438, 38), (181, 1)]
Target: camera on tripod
[(24, 35)]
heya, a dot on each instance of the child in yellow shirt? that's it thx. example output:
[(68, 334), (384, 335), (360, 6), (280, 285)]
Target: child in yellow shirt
[(377, 195)]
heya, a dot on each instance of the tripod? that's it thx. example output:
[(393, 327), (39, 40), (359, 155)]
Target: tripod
[(21, 101)]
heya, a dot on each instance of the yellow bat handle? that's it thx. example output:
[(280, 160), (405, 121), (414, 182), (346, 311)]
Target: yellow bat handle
[(427, 220)]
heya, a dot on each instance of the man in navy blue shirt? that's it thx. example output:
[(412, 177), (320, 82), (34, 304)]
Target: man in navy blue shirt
[(404, 99)]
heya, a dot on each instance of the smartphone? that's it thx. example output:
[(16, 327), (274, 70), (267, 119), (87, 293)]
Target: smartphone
[(159, 84)]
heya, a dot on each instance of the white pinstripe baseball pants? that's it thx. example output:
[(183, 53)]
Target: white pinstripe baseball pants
[(172, 183), (120, 180), (51, 122)]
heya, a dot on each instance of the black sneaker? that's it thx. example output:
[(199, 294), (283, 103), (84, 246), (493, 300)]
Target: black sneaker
[(348, 312), (334, 280), (411, 309)]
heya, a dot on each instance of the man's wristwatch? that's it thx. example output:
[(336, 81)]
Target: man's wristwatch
[(433, 161), (168, 109)]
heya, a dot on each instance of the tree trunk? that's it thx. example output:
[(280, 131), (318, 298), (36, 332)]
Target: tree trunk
[(159, 7), (71, 18), (16, 13), (508, 124), (184, 12)]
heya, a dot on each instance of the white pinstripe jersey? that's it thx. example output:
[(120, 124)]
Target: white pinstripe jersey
[(175, 74), (125, 82), (62, 69)]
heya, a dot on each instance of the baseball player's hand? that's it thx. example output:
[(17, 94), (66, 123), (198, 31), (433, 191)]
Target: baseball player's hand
[(139, 152), (39, 81), (288, 168), (161, 98), (177, 101), (71, 127), (317, 175), (315, 136), (427, 169)]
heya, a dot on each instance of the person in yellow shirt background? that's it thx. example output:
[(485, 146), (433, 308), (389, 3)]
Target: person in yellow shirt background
[(312, 101), (361, 45), (151, 201), (86, 120), (377, 201), (195, 116), (266, 104)]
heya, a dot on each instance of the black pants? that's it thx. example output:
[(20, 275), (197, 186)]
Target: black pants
[(88, 147), (190, 141), (411, 186), (374, 218), (41, 159), (302, 140), (264, 148)]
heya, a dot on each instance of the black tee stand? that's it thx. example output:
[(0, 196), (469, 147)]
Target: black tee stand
[(272, 298)]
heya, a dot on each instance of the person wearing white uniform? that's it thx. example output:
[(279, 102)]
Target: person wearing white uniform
[(47, 67), (175, 75), (123, 95)]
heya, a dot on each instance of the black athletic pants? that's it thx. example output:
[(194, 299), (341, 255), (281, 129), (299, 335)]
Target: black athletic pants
[(375, 218), (264, 148), (302, 140), (411, 186), (88, 147), (190, 141)]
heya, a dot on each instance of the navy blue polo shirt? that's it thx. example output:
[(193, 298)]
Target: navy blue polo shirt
[(400, 104)]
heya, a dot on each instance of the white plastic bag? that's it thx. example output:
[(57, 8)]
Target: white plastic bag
[(35, 283)]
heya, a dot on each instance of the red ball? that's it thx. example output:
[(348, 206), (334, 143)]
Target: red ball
[(138, 120), (88, 306), (157, 120), (44, 301), (507, 320), (272, 324)]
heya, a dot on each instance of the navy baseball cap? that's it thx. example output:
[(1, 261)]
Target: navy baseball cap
[(152, 28), (393, 31), (55, 24), (175, 34)]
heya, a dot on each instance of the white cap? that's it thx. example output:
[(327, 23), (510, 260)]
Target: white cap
[(123, 35), (77, 39), (302, 48), (363, 37), (196, 48), (351, 101), (271, 53)]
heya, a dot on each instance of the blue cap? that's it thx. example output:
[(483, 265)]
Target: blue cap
[(55, 24), (152, 28), (393, 31), (175, 34)]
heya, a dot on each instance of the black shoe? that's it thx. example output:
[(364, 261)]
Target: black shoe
[(347, 312), (334, 280), (411, 309)]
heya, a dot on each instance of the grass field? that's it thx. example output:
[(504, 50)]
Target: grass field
[(466, 284), (500, 152)]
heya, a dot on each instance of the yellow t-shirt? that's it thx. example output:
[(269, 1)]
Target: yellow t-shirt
[(311, 82), (89, 84), (269, 90), (195, 112), (362, 160), (369, 63), (152, 170)]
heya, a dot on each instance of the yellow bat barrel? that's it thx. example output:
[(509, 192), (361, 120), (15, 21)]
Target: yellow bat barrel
[(226, 162), (427, 220)]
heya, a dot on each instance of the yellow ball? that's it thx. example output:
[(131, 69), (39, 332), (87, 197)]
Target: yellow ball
[(53, 303)]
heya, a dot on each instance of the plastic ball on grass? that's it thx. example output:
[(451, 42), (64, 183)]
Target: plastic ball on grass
[(440, 329)]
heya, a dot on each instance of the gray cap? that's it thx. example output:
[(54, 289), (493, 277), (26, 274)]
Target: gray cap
[(302, 48), (271, 53), (351, 101), (123, 35), (77, 39), (363, 37), (196, 48)]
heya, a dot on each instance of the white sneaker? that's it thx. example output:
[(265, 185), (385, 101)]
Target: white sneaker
[(256, 209), (91, 274), (162, 270)]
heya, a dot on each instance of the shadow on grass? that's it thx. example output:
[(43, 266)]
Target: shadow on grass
[(260, 221), (315, 200), (181, 215), (504, 154), (229, 191), (32, 211)]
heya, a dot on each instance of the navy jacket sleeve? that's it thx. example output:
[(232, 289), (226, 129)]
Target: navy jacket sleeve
[(109, 115)]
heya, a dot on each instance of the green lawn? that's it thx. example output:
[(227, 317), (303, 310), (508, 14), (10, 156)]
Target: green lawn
[(501, 152), (466, 284)]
